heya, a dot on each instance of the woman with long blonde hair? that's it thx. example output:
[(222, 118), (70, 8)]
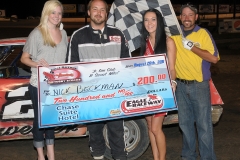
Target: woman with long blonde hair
[(46, 44)]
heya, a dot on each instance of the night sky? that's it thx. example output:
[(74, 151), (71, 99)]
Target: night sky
[(25, 8)]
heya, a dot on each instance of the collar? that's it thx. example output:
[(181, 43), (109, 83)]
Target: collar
[(96, 31), (195, 29)]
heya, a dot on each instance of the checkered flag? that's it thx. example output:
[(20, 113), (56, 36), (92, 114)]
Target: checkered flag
[(127, 16)]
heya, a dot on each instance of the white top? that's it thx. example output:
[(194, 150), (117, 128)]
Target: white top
[(36, 48)]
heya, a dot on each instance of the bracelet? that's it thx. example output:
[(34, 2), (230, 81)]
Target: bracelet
[(173, 81)]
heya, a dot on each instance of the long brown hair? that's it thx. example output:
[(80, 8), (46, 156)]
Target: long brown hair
[(160, 37)]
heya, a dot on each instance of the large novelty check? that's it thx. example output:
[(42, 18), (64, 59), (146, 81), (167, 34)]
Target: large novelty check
[(94, 91)]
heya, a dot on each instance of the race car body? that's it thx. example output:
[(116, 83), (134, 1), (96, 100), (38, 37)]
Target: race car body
[(16, 112)]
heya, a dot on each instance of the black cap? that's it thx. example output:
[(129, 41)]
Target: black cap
[(190, 6)]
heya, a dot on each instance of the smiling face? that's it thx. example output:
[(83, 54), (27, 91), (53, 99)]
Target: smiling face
[(55, 16), (98, 14), (150, 22), (188, 18)]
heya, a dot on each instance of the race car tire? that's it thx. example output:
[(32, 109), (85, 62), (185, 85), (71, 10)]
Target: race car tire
[(136, 138)]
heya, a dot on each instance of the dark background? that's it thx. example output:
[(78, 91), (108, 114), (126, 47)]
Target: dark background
[(25, 8)]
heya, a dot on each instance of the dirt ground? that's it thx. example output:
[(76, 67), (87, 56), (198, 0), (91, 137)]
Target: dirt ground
[(225, 75)]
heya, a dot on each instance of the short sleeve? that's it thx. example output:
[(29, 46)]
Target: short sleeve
[(31, 45), (64, 36)]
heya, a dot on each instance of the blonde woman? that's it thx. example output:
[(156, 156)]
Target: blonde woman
[(46, 44)]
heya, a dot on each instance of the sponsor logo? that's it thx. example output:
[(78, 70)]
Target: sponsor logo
[(237, 25), (62, 75), (150, 102), (115, 112), (69, 8), (115, 39)]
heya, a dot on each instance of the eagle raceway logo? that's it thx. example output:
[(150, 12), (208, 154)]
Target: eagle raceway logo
[(150, 102)]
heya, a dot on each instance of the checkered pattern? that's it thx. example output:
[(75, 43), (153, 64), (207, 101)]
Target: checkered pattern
[(127, 16)]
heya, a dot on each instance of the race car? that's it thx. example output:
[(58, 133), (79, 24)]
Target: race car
[(16, 112)]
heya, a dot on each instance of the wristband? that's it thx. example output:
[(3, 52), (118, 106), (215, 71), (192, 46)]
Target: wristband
[(173, 81)]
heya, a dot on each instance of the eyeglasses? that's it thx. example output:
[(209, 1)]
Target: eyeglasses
[(192, 7)]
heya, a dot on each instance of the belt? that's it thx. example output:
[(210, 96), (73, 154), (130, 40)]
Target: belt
[(186, 81)]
